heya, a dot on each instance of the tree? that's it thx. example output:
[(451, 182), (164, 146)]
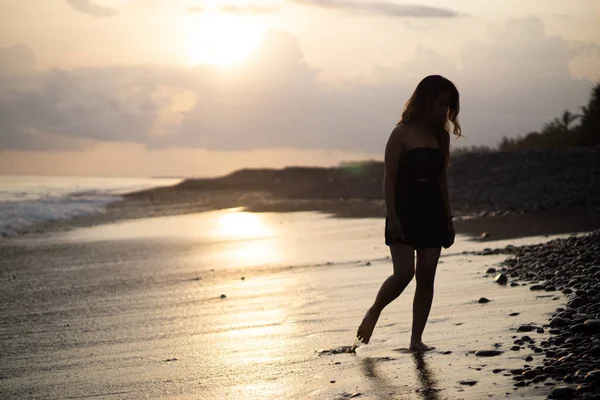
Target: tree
[(590, 119), (560, 133), (567, 118)]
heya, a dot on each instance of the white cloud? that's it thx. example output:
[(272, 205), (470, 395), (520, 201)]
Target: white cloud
[(17, 59), (91, 8), (382, 8), (511, 83)]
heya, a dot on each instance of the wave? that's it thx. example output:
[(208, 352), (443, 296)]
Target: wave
[(29, 201)]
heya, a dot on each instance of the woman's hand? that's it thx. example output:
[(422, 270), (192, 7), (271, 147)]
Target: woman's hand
[(451, 233), (395, 227)]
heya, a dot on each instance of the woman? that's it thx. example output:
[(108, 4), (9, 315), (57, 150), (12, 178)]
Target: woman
[(416, 197)]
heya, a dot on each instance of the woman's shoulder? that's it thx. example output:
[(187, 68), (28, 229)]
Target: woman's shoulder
[(403, 131), (401, 128)]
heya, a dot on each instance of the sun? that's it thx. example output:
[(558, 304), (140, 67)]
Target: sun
[(222, 39)]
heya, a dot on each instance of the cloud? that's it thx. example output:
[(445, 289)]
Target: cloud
[(275, 99), (90, 8), (382, 8), (249, 9), (17, 59)]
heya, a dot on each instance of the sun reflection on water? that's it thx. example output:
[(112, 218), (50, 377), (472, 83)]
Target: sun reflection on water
[(241, 224), (250, 239)]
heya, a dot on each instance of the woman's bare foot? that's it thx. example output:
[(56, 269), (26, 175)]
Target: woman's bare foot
[(418, 346), (365, 330)]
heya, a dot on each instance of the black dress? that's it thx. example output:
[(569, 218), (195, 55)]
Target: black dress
[(419, 202)]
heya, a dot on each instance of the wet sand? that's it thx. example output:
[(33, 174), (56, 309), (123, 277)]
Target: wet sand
[(136, 310)]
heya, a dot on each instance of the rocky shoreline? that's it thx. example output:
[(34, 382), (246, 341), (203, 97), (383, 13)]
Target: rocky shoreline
[(505, 194), (479, 184), (571, 365)]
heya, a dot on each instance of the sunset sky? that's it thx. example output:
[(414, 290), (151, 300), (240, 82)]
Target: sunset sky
[(200, 88)]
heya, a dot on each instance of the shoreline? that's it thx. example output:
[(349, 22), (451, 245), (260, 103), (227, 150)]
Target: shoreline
[(570, 266), (484, 226)]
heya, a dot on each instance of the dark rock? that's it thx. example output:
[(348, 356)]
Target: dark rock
[(563, 392), (595, 374), (559, 322), (592, 326), (530, 374), (526, 328), (585, 388), (483, 300), (490, 270), (577, 328), (488, 353), (468, 382), (577, 302), (501, 278)]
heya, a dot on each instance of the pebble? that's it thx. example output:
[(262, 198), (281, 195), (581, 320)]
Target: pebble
[(526, 328), (483, 300), (488, 353), (501, 278), (563, 392), (559, 322), (571, 351), (468, 382), (592, 326)]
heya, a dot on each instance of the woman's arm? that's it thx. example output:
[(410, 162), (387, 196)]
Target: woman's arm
[(393, 149)]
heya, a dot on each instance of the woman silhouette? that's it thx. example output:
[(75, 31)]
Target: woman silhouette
[(416, 198)]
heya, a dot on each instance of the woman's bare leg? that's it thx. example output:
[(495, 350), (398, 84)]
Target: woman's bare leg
[(403, 259), (427, 260)]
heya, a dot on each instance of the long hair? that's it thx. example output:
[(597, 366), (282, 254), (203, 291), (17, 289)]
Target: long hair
[(424, 95)]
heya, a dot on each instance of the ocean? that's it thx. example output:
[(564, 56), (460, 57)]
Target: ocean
[(30, 200)]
